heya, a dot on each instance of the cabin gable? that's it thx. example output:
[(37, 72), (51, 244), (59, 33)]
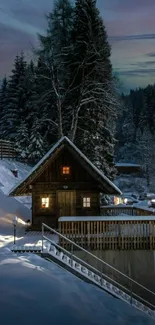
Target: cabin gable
[(65, 169)]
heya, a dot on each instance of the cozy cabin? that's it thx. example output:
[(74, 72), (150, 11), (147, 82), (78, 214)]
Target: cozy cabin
[(64, 183)]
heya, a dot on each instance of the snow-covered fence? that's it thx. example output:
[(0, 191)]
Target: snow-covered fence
[(114, 210), (108, 232), (7, 149)]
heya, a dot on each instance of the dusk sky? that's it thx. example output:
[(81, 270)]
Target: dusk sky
[(130, 26)]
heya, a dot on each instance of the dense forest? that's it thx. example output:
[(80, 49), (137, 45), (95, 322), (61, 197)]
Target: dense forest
[(136, 131), (69, 89)]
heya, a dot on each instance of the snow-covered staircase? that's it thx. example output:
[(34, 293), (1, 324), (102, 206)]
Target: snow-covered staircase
[(79, 267), (92, 277), (26, 249), (52, 251)]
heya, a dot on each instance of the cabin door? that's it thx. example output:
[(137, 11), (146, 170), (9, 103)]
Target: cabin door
[(66, 203)]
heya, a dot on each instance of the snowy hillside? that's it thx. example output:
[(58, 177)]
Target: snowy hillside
[(131, 184), (8, 180), (35, 291)]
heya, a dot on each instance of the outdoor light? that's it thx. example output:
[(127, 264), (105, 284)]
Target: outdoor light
[(125, 201), (14, 228), (28, 222)]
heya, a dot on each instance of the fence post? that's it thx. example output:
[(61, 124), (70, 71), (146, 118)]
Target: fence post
[(42, 237), (72, 250), (101, 274), (131, 292), (150, 234), (131, 288)]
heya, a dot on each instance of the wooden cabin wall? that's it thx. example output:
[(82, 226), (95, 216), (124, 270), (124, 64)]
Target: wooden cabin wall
[(95, 203), (46, 215), (78, 173), (50, 215)]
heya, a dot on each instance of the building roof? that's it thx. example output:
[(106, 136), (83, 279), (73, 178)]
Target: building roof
[(124, 217), (123, 164), (105, 182)]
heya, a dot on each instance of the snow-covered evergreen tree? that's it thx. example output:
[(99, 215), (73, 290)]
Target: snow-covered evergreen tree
[(3, 106), (22, 142), (54, 47), (93, 95), (16, 98), (32, 108), (137, 116), (37, 145), (146, 156)]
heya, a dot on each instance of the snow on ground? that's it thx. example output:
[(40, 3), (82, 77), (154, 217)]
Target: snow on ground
[(10, 207), (8, 180), (35, 291)]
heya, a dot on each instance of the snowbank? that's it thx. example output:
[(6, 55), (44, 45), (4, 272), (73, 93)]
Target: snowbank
[(35, 291), (10, 206), (8, 180)]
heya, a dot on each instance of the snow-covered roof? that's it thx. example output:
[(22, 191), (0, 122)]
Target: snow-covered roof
[(126, 165), (107, 218), (114, 189)]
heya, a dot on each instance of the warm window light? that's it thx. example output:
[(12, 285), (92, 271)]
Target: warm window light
[(65, 170), (86, 202), (45, 202)]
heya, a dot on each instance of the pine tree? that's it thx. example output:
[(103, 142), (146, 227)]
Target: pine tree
[(16, 98), (138, 116), (37, 145), (149, 93), (22, 142), (32, 108), (3, 106), (146, 155), (53, 55), (93, 94)]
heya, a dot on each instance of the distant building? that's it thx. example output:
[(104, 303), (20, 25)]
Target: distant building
[(128, 168), (64, 183)]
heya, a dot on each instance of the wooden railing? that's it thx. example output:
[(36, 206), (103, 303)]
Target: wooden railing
[(114, 210), (7, 149), (112, 233), (92, 267)]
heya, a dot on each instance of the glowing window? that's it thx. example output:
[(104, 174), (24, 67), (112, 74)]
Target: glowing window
[(45, 202), (65, 170), (86, 202)]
